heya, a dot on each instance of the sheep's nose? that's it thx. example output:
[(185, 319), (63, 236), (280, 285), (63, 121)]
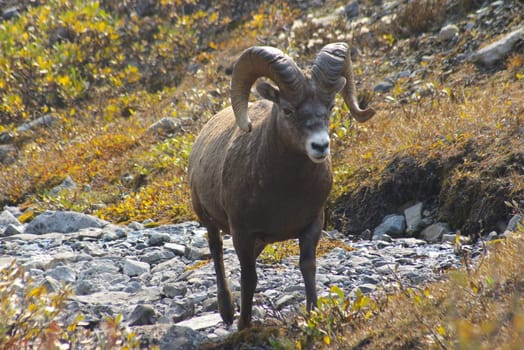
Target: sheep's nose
[(320, 146)]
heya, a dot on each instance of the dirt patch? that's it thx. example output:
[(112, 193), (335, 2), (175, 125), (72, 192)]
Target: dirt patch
[(469, 183)]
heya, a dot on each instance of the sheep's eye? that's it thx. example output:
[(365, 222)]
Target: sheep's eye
[(288, 112)]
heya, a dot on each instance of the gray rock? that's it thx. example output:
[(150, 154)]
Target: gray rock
[(433, 233), (135, 268), (178, 249), (174, 264), (448, 32), (413, 216), (10, 13), (85, 287), (67, 184), (62, 274), (97, 268), (158, 238), (367, 287), (201, 322), (7, 218), (285, 300), (62, 222), (451, 237), (181, 338), (133, 287), (51, 285), (27, 237), (496, 51), (165, 127), (137, 226), (382, 238), (514, 223), (384, 86), (7, 154), (392, 225), (172, 290), (181, 310), (142, 315), (352, 9), (157, 256), (196, 253), (12, 230), (45, 120), (113, 232)]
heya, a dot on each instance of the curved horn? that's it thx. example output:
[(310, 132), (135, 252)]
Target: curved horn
[(263, 61), (332, 63)]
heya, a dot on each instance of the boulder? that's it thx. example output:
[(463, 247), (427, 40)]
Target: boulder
[(62, 222), (496, 51)]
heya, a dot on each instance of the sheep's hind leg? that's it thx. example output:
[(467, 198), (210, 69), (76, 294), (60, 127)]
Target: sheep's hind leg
[(225, 300), (308, 241)]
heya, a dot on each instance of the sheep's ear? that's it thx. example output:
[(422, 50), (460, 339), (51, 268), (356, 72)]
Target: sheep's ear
[(269, 92)]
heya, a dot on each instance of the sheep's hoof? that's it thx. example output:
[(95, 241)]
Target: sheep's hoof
[(243, 324), (226, 308)]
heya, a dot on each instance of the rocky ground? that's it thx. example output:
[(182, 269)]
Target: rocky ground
[(162, 282)]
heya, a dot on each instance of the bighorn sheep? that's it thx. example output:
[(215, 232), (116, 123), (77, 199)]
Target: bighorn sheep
[(268, 179)]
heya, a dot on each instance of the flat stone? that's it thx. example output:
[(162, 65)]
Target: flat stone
[(135, 268), (201, 322), (7, 218), (33, 237), (12, 230), (178, 249)]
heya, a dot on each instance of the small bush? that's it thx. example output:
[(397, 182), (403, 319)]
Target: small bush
[(33, 318), (420, 16)]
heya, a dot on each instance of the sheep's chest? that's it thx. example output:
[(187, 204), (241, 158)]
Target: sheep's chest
[(282, 206)]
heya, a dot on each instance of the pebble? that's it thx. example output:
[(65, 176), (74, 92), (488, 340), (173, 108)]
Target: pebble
[(448, 32)]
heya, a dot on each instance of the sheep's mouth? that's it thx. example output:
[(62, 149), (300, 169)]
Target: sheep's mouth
[(318, 158)]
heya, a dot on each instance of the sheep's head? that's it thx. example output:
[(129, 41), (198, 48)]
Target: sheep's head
[(304, 102)]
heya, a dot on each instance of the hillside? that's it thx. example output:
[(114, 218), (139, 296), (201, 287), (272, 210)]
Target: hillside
[(100, 103), (83, 86)]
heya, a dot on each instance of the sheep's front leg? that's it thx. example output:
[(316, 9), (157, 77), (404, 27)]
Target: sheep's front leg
[(308, 241), (225, 300), (245, 248)]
